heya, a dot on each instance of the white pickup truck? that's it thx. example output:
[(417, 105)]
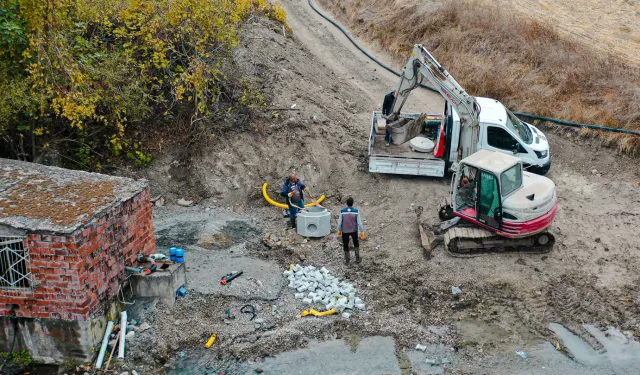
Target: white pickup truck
[(499, 130)]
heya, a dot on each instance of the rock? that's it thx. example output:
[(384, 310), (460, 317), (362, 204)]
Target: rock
[(251, 338), (144, 326), (597, 239), (302, 257), (134, 372), (184, 203), (594, 171), (207, 209), (258, 371), (124, 373), (130, 335)]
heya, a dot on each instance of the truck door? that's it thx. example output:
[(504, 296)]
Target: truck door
[(489, 207), (499, 139)]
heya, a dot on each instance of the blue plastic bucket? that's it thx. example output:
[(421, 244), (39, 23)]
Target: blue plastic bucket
[(179, 255), (172, 253)]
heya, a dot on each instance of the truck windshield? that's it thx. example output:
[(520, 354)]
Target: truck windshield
[(521, 130), (511, 179)]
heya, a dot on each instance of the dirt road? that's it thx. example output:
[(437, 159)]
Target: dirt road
[(508, 301)]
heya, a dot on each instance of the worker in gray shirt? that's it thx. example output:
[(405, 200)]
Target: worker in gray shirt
[(349, 224)]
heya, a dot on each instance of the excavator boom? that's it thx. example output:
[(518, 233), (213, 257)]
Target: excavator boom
[(421, 65)]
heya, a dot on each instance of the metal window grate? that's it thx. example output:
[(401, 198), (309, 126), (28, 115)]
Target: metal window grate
[(14, 272)]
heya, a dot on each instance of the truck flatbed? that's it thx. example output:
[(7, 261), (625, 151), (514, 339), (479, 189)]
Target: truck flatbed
[(404, 150), (400, 159)]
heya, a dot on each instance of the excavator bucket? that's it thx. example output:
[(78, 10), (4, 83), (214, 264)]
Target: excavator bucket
[(429, 239)]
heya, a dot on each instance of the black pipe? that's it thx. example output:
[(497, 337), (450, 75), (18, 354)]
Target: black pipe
[(556, 121)]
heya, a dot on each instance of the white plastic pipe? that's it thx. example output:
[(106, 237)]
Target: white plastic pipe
[(123, 333), (105, 342)]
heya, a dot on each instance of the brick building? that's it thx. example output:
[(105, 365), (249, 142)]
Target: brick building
[(65, 239)]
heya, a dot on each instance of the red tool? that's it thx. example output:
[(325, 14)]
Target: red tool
[(151, 269), (227, 278)]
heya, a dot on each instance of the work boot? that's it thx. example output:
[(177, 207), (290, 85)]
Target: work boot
[(293, 223), (347, 257), (357, 251)]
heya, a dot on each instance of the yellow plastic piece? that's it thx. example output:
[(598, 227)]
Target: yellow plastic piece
[(212, 339), (317, 313), (282, 205)]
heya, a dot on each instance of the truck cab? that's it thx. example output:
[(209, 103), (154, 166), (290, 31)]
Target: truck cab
[(502, 131)]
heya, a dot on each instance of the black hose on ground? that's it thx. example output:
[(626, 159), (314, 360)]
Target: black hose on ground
[(536, 117)]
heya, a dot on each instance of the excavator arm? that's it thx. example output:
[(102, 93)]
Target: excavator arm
[(421, 65)]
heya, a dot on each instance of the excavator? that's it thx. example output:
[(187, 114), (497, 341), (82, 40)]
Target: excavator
[(495, 205)]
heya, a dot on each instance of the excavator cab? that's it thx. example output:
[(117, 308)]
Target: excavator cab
[(477, 191), (491, 190)]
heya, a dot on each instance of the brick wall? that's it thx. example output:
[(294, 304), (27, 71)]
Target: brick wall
[(75, 275)]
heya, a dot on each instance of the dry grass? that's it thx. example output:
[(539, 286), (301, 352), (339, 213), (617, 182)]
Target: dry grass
[(525, 64)]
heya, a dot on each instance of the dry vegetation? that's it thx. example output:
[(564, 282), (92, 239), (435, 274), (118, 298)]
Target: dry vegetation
[(527, 65)]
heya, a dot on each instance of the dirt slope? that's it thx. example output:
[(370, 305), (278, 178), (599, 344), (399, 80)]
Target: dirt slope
[(591, 276), (609, 26)]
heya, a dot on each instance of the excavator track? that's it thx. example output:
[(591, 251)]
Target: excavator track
[(472, 242)]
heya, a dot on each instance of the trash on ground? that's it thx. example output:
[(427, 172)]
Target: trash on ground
[(211, 340), (436, 361), (421, 347), (229, 277), (522, 354), (181, 292), (249, 309), (184, 203), (455, 290), (432, 362), (229, 315)]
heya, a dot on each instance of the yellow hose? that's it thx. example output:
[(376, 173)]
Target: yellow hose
[(282, 205), (317, 313)]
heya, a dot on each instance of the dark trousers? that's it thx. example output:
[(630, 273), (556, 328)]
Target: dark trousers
[(387, 136), (345, 240)]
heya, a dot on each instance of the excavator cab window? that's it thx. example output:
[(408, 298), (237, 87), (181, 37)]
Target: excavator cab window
[(511, 179), (489, 207), (467, 191)]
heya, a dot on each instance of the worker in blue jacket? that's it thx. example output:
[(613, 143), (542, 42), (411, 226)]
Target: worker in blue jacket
[(349, 223), (293, 192), (387, 107)]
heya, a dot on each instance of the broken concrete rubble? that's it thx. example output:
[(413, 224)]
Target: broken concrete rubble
[(323, 288)]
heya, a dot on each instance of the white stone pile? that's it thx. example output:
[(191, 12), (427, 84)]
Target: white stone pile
[(315, 286)]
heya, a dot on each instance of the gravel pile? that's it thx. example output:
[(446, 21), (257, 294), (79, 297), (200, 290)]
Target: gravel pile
[(319, 287)]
